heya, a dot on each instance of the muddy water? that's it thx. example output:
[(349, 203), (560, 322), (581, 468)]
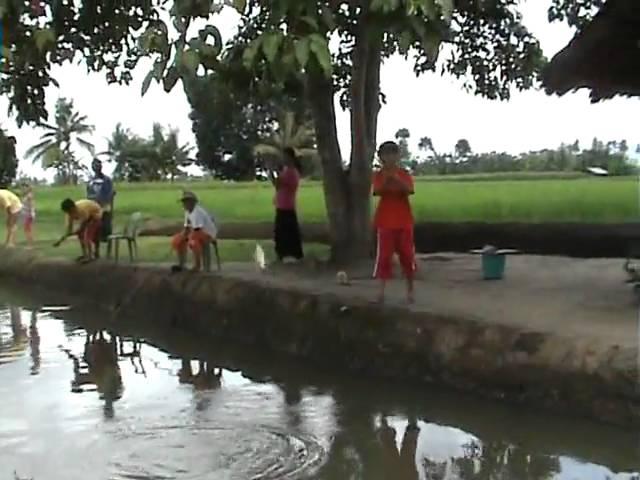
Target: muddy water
[(85, 397)]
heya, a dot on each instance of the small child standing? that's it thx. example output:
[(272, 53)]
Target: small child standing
[(28, 214), (393, 219)]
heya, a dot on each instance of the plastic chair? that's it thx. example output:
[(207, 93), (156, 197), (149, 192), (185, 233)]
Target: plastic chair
[(129, 235), (206, 256)]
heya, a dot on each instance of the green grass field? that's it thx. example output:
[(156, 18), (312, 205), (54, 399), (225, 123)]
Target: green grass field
[(542, 198)]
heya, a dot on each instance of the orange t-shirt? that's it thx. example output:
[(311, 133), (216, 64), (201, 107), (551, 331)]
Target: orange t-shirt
[(394, 209)]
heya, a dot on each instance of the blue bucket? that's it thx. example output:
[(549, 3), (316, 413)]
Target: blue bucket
[(493, 266)]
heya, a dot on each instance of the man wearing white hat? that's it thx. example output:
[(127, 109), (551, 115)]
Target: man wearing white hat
[(199, 230)]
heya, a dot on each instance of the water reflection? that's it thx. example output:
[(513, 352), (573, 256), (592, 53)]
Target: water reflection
[(268, 420), (15, 339), (134, 354), (34, 343), (98, 370)]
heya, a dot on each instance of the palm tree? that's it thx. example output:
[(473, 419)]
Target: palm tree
[(290, 134), (167, 155), (119, 150), (55, 149)]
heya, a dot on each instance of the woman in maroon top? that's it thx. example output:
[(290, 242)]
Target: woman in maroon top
[(287, 230)]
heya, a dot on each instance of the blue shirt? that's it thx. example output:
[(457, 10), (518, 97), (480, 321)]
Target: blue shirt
[(100, 190)]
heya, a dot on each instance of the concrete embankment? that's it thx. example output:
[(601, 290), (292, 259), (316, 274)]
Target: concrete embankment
[(589, 369)]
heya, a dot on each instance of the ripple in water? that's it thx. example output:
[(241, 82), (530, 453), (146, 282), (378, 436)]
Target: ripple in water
[(190, 452)]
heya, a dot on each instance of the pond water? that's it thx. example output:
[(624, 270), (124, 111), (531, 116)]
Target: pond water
[(84, 397)]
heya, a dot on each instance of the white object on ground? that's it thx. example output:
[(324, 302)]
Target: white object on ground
[(342, 278), (55, 308), (597, 171), (258, 256)]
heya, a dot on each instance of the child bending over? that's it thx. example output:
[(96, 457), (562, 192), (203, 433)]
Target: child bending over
[(87, 214)]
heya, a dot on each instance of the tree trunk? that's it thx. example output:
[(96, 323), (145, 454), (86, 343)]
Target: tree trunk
[(348, 190)]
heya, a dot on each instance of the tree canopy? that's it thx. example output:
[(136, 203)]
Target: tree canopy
[(56, 146), (8, 159), (158, 157)]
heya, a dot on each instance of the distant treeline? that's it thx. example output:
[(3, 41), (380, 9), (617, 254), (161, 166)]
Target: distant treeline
[(611, 156)]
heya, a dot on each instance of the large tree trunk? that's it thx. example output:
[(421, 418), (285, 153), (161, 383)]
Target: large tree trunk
[(348, 190)]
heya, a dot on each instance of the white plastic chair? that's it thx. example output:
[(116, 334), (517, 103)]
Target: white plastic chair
[(129, 235)]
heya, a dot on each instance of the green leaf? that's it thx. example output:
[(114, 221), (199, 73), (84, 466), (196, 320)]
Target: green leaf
[(446, 6), (158, 69), (211, 31), (170, 79), (377, 5), (146, 82), (250, 53), (44, 38), (328, 18), (404, 42), (191, 60), (179, 23), (385, 6), (428, 8), (431, 44), (271, 44), (320, 48), (312, 22), (239, 5), (302, 51), (289, 60)]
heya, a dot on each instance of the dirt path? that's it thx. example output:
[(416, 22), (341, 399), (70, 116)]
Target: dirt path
[(573, 297)]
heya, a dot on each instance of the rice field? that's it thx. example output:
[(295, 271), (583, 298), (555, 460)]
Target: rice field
[(488, 199)]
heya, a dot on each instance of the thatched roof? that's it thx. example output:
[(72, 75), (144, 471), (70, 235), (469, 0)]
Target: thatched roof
[(604, 57)]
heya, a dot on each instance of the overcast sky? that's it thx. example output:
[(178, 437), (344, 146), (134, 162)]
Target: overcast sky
[(430, 105)]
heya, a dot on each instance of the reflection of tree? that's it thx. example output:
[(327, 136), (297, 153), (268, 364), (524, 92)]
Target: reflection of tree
[(496, 459), (34, 343), (19, 337), (435, 470)]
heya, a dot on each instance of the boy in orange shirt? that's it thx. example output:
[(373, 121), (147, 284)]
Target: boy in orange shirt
[(88, 214), (393, 219)]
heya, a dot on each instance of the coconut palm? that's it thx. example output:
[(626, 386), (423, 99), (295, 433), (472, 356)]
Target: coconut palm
[(120, 150), (166, 154), (156, 158), (290, 134), (56, 146)]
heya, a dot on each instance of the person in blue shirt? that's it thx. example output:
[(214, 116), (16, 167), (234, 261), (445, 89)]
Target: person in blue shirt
[(100, 190)]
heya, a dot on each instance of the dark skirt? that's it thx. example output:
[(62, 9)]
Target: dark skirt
[(287, 235)]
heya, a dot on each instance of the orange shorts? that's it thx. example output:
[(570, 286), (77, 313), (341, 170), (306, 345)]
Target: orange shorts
[(196, 240), (89, 232)]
